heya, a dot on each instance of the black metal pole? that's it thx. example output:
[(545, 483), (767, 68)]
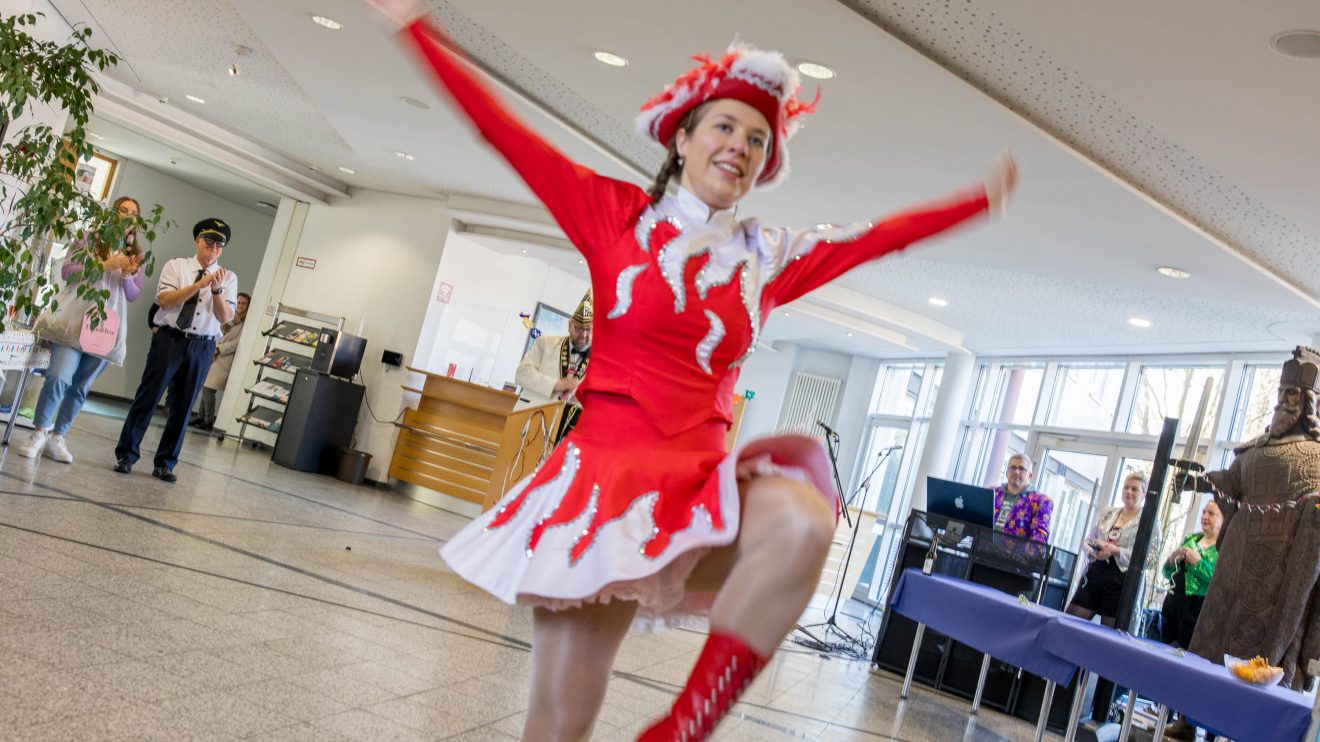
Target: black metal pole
[(1150, 513)]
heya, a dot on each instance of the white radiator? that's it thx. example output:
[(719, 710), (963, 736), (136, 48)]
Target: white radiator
[(812, 399)]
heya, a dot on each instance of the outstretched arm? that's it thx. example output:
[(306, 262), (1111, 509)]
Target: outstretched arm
[(815, 257), (592, 209)]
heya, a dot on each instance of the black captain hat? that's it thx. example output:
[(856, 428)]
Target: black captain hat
[(213, 228)]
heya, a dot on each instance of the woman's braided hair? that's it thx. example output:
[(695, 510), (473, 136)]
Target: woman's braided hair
[(673, 162)]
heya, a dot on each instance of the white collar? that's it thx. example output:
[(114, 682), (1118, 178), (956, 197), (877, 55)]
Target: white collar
[(696, 211)]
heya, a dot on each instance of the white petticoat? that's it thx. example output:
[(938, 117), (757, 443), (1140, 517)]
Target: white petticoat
[(614, 568)]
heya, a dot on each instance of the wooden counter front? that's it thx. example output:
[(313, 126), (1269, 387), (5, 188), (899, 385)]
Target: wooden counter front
[(467, 441)]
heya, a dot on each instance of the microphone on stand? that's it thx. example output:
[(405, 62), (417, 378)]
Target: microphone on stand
[(828, 429)]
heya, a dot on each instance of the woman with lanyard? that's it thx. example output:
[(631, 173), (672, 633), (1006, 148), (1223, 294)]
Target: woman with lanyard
[(1109, 547), (640, 512)]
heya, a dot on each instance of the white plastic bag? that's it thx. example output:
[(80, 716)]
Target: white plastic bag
[(70, 325)]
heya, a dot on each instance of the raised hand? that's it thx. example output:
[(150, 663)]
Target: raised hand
[(399, 13), (1001, 183)]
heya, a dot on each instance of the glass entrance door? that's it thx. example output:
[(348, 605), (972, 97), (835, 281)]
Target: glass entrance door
[(1082, 479), (1075, 481)]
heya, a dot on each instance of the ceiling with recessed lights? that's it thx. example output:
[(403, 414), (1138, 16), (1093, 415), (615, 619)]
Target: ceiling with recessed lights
[(1146, 135)]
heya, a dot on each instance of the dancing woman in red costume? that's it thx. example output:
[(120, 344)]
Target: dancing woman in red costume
[(641, 513)]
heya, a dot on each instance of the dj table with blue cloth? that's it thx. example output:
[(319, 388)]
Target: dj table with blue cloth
[(1198, 688), (985, 619), (1054, 645)]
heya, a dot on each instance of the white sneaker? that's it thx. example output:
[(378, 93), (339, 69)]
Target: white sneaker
[(58, 450), (36, 443)]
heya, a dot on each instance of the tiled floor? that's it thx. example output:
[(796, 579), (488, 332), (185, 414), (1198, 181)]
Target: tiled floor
[(249, 601)]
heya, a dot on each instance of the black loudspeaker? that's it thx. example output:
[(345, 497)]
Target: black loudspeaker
[(963, 669), (964, 665), (1030, 692)]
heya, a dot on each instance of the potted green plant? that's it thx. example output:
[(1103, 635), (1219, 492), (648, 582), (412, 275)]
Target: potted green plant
[(40, 202)]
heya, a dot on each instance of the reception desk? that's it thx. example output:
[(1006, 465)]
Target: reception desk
[(467, 441)]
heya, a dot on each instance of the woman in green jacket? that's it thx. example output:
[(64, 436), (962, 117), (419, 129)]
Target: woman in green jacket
[(1190, 567)]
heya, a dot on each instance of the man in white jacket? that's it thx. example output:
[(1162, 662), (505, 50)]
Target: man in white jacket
[(555, 364)]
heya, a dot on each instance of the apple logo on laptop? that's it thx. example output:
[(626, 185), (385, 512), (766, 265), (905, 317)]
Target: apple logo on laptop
[(958, 502)]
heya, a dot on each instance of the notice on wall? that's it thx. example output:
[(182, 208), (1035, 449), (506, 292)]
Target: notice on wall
[(308, 263), (444, 293)]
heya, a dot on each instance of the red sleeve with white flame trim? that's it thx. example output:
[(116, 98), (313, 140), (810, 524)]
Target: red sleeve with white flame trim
[(593, 210), (818, 262)]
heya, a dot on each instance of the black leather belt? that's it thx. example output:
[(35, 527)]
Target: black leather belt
[(189, 335)]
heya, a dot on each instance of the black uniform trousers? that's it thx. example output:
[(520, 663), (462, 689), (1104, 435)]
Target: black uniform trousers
[(177, 362)]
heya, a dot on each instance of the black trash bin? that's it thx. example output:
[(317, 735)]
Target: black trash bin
[(353, 465)]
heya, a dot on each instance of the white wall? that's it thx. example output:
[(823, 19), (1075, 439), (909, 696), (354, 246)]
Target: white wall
[(767, 372), (479, 330), (770, 375), (376, 255), (186, 205)]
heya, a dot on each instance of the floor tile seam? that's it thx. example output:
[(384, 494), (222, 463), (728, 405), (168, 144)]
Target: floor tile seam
[(660, 685), (90, 501), (490, 637), (285, 493), (488, 725)]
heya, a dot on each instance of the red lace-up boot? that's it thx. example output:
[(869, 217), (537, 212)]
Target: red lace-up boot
[(723, 671)]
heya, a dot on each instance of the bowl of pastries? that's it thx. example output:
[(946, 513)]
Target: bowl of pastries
[(1256, 670)]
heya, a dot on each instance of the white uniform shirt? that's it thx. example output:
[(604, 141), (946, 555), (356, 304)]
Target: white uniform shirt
[(179, 272)]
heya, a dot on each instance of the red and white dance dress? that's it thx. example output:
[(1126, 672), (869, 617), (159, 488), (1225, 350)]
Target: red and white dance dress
[(644, 486)]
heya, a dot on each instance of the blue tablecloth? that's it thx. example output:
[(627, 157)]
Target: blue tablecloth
[(1201, 689), (983, 618)]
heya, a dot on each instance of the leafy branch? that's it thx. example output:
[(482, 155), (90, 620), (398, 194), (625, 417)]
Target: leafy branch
[(39, 200)]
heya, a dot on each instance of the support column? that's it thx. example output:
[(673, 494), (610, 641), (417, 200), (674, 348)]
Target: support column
[(945, 423)]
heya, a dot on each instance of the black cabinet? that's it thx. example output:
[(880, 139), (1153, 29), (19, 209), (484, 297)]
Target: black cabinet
[(318, 422)]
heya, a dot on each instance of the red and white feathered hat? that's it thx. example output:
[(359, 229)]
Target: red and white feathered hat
[(759, 78)]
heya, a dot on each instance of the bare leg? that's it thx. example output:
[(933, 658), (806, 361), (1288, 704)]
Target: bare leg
[(572, 654), (1080, 612), (767, 577)]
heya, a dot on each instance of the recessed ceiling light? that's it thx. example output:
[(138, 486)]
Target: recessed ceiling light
[(267, 204), (524, 251), (98, 137), (937, 301), (815, 71), (329, 23), (850, 334), (581, 261), (1139, 322), (786, 314), (404, 155), (348, 170), (1298, 44), (1171, 272), (415, 103), (613, 60), (195, 99)]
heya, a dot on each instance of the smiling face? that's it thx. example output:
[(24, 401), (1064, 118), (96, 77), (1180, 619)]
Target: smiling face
[(1211, 519), (208, 250), (724, 152), (1133, 489)]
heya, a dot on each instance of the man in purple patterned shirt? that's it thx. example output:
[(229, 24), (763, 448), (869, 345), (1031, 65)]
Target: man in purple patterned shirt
[(1020, 511)]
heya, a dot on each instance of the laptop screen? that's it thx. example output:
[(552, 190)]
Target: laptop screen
[(965, 502)]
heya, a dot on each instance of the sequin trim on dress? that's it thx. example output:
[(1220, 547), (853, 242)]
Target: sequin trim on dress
[(710, 342), (623, 290)]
